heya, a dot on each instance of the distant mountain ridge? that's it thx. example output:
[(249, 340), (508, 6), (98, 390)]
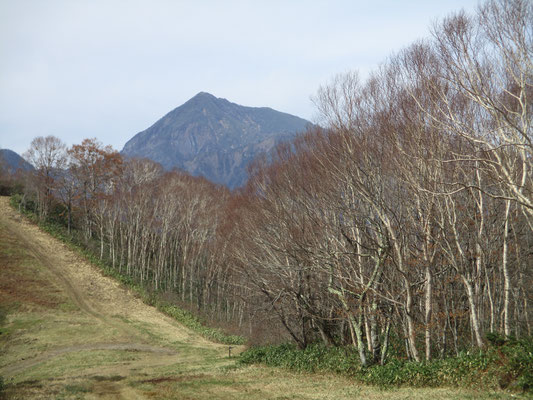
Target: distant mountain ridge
[(214, 138), (13, 161)]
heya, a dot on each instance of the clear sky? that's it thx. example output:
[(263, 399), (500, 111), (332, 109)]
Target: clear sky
[(110, 69)]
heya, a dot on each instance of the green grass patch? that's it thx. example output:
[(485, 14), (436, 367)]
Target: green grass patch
[(112, 378), (76, 389), (19, 323), (505, 366), (72, 363), (192, 322)]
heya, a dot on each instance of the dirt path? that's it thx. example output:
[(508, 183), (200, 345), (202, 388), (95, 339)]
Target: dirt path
[(71, 333), (95, 294), (125, 322)]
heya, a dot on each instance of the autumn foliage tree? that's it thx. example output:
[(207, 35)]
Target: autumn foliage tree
[(402, 226), (403, 208), (96, 170), (47, 155)]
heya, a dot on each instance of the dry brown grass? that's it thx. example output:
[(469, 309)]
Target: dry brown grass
[(71, 333)]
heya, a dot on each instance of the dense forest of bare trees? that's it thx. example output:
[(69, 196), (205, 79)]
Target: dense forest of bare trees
[(406, 221)]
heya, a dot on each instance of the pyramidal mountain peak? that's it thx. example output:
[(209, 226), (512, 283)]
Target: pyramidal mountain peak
[(214, 138), (11, 162)]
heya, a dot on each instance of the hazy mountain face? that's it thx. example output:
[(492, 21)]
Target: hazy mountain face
[(214, 138), (11, 161)]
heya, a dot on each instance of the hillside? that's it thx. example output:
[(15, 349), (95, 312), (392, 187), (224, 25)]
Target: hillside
[(212, 137), (12, 161), (67, 331)]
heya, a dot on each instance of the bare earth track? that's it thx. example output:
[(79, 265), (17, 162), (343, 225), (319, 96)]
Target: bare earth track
[(127, 324), (72, 333)]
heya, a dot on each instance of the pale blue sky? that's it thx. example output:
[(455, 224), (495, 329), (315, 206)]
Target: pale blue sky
[(109, 69)]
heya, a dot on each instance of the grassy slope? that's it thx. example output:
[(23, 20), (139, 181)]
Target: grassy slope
[(42, 320)]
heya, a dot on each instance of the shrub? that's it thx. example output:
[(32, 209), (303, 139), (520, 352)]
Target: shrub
[(313, 358), (519, 366), (509, 365)]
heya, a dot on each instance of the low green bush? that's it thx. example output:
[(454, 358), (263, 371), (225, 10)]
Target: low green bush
[(312, 359), (518, 367), (509, 365), (467, 369)]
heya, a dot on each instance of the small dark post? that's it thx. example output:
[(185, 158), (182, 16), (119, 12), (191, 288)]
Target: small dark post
[(229, 351)]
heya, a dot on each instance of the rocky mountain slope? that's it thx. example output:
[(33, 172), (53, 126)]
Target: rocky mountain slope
[(212, 137), (11, 161)]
